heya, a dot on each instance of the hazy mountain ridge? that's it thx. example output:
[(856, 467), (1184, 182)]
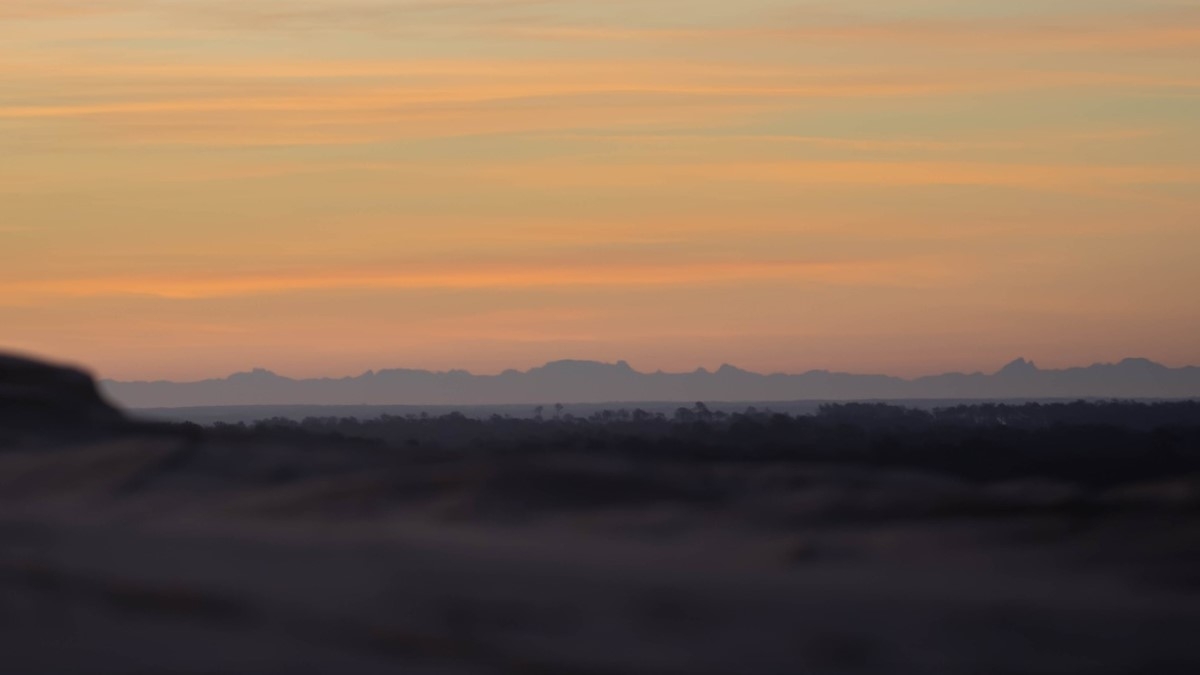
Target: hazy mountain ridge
[(575, 381)]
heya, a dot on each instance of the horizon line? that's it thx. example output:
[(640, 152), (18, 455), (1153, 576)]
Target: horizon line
[(1019, 362)]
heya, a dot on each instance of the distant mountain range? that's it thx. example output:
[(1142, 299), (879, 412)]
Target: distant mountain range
[(594, 382)]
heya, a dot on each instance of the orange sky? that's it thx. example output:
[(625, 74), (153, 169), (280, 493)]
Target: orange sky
[(320, 187)]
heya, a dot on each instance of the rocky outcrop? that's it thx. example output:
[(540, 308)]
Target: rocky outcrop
[(49, 398)]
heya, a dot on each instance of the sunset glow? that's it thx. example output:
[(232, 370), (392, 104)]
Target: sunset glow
[(194, 187)]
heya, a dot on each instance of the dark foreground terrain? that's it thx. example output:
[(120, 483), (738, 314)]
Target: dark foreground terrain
[(862, 539)]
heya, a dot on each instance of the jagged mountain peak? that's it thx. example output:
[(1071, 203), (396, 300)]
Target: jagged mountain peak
[(256, 374), (1019, 366)]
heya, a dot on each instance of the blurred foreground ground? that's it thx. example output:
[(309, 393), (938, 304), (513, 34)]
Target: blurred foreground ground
[(127, 549)]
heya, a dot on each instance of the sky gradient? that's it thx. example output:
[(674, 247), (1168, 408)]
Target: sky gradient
[(320, 187)]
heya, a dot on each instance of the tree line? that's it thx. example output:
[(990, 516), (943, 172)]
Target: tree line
[(1101, 443)]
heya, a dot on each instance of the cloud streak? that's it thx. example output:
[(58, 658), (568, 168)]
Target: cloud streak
[(476, 276), (1145, 30)]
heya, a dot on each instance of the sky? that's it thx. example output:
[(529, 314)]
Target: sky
[(190, 188)]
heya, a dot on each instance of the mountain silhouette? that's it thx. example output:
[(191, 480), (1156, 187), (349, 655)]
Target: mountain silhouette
[(577, 381), (1017, 368)]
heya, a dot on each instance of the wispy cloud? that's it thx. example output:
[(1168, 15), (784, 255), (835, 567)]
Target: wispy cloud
[(59, 9), (482, 276), (263, 13), (299, 103), (1137, 28), (1143, 30)]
